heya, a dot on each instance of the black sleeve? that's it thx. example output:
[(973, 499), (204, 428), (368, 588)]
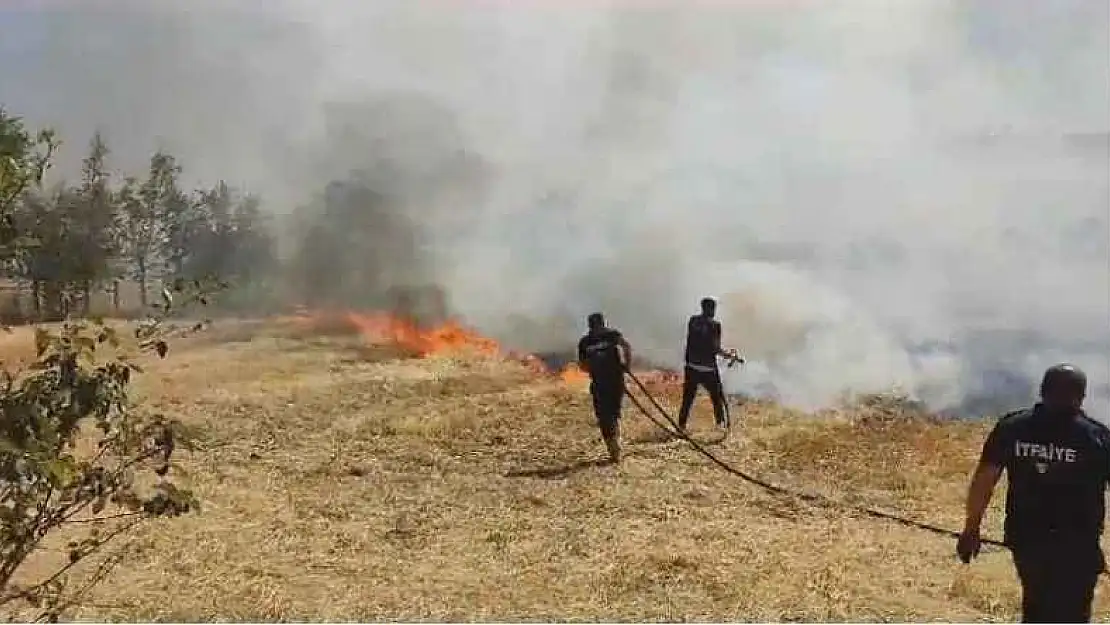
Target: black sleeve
[(717, 333), (1104, 447), (998, 448), (1106, 464), (581, 349)]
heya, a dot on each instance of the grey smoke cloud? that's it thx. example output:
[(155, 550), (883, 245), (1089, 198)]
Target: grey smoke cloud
[(815, 165)]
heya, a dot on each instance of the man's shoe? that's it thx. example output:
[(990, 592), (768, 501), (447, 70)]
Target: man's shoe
[(614, 447)]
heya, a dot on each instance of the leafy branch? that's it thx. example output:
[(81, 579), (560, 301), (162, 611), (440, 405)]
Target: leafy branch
[(74, 452)]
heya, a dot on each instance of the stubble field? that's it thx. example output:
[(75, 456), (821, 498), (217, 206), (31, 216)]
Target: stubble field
[(344, 481)]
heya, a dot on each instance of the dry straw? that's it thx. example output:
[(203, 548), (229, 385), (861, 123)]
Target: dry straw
[(349, 483)]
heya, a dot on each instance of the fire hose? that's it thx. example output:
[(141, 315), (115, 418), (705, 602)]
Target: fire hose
[(814, 498)]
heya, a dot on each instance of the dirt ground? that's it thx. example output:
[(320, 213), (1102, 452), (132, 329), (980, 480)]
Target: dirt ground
[(342, 482)]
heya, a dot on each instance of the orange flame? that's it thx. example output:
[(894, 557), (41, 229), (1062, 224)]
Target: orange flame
[(449, 338), (573, 374)]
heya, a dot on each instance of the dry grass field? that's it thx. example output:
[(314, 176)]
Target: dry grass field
[(347, 482)]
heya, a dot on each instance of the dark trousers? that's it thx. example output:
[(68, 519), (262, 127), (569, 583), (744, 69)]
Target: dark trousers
[(711, 380), (1058, 580), (608, 400)]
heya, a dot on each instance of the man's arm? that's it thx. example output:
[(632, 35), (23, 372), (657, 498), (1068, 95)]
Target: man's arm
[(994, 457), (1105, 448), (979, 494), (626, 349), (583, 364), (730, 354), (717, 339)]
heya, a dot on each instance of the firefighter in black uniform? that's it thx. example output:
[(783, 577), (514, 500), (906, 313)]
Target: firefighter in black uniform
[(703, 346), (1057, 460), (599, 354)]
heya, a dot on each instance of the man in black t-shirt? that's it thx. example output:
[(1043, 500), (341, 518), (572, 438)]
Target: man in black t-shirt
[(599, 354), (1058, 464), (703, 346)]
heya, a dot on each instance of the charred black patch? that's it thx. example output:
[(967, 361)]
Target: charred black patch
[(558, 360)]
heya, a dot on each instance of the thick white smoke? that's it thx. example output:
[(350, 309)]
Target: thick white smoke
[(815, 165)]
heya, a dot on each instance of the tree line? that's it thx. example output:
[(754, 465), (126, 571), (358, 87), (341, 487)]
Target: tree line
[(78, 458), (90, 234)]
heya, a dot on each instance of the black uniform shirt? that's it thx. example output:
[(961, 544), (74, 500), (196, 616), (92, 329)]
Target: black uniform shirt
[(599, 351), (1057, 470), (703, 337)]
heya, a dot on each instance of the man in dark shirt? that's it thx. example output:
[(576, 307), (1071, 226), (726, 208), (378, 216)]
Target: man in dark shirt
[(1058, 463), (599, 356), (703, 346)]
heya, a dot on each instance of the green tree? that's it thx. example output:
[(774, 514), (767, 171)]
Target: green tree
[(94, 223), (47, 259), (255, 253), (215, 243), (24, 160), (231, 239), (73, 231), (73, 447), (143, 207), (252, 262), (186, 225)]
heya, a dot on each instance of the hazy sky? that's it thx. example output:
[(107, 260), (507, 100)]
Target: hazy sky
[(802, 160)]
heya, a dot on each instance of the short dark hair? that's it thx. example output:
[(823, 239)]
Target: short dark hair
[(1064, 378), (595, 319)]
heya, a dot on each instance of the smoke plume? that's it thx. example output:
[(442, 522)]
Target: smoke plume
[(909, 194)]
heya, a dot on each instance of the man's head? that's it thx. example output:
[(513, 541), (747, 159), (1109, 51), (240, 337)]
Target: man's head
[(709, 306), (1063, 388), (595, 322)]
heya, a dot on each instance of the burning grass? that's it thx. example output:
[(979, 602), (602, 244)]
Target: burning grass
[(463, 485), (405, 337)]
